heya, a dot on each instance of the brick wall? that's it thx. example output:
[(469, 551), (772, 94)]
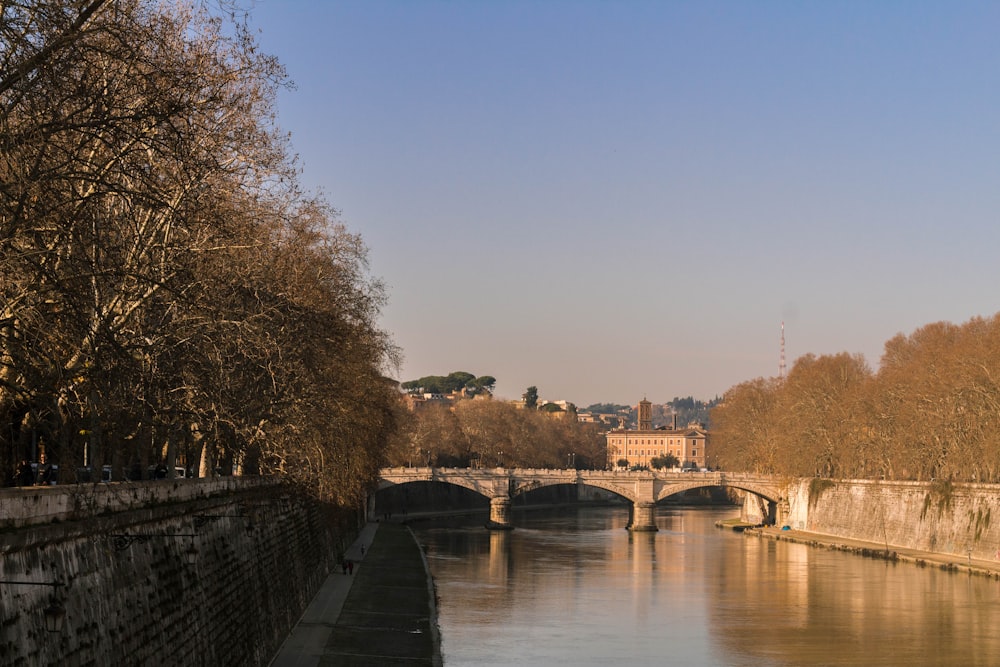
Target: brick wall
[(259, 556)]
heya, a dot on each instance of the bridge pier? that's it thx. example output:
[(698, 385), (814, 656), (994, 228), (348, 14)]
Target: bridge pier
[(500, 514), (643, 517)]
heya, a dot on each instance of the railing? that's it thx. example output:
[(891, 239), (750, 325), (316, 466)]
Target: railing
[(399, 470)]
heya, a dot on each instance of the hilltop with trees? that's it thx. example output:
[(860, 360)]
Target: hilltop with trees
[(451, 383), (491, 433)]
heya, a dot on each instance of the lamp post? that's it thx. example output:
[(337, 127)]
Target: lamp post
[(55, 613)]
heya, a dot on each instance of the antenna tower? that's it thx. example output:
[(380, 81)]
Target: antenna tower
[(781, 361)]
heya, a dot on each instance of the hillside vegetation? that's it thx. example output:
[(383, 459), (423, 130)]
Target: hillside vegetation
[(491, 433)]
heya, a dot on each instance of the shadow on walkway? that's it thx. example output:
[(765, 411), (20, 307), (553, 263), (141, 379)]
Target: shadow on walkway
[(383, 614)]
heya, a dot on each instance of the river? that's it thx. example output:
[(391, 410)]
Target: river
[(573, 587)]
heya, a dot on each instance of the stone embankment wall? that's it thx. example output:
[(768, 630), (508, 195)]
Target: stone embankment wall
[(939, 517), (185, 572)]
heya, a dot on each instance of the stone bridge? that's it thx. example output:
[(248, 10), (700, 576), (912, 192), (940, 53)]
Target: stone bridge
[(644, 489)]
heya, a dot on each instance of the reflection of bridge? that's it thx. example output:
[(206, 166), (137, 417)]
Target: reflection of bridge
[(642, 488)]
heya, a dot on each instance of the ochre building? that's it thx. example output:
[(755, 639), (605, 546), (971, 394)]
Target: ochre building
[(640, 447)]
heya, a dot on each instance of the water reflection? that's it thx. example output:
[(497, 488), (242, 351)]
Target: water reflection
[(499, 556), (576, 588)]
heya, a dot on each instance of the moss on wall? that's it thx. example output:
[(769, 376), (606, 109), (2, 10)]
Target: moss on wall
[(817, 486)]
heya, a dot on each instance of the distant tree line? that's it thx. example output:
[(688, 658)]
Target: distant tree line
[(931, 411), (491, 433), (683, 411), (451, 383), (606, 408), (167, 291)]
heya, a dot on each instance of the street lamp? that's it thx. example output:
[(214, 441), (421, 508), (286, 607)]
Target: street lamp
[(55, 616), (55, 613), (123, 541), (191, 554)]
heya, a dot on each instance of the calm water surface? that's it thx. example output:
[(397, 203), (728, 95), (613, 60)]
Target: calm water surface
[(573, 587)]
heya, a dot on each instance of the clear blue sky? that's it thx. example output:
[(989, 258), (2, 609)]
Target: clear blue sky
[(611, 200)]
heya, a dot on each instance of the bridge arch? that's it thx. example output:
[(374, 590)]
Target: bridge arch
[(617, 489), (673, 489), (457, 481), (768, 494)]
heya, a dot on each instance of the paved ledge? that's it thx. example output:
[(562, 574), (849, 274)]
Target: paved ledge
[(382, 615), (38, 505), (944, 561)]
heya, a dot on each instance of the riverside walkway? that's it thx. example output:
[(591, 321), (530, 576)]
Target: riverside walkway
[(381, 615), (944, 561)]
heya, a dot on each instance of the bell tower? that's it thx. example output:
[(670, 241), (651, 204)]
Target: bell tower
[(645, 415)]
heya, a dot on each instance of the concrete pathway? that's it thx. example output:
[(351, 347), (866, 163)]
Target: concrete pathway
[(306, 645), (389, 617), (955, 562)]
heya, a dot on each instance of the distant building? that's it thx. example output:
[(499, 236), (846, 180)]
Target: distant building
[(417, 402), (640, 447), (608, 419)]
